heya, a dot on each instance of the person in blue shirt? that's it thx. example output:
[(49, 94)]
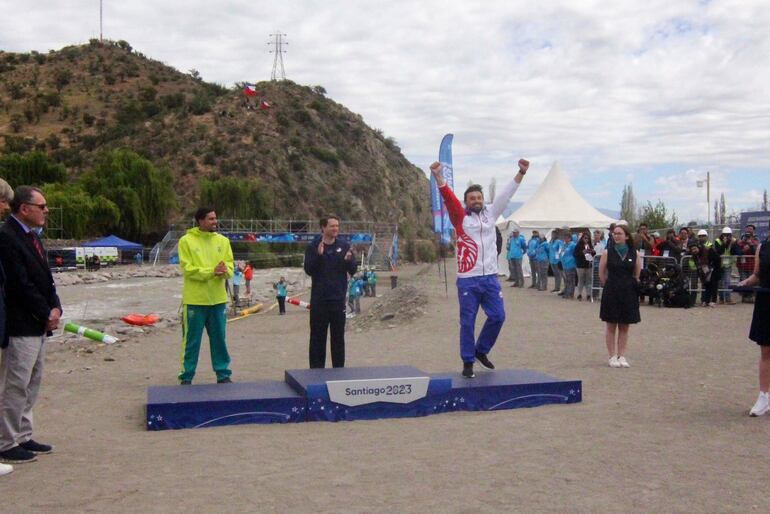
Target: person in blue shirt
[(371, 279), (554, 258), (569, 265), (531, 254), (517, 246), (355, 291), (238, 281), (541, 258), (280, 295)]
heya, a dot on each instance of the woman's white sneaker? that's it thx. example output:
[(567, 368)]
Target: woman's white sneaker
[(762, 406), (623, 363), (614, 362)]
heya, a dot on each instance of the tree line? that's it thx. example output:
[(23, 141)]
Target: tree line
[(123, 193), (126, 194)]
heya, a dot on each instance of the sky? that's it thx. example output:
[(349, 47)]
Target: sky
[(654, 94)]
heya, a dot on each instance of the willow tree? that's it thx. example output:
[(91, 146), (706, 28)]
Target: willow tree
[(236, 198), (142, 191), (31, 169), (83, 215)]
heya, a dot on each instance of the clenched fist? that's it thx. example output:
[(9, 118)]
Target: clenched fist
[(437, 169)]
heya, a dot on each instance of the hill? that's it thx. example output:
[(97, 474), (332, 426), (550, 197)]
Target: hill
[(308, 154)]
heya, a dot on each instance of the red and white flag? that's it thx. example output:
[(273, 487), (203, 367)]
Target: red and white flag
[(264, 105), (250, 90)]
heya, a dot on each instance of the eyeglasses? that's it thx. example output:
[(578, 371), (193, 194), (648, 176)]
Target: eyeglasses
[(41, 206)]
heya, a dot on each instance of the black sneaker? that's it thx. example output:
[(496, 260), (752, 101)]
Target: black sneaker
[(225, 380), (484, 360), (468, 370), (185, 382), (35, 447), (17, 455)]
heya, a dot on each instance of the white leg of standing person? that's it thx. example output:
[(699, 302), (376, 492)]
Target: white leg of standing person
[(762, 405), (623, 345), (609, 338)]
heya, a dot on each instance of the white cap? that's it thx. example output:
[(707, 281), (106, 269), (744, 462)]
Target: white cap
[(656, 234), (702, 232), (727, 230), (621, 222)]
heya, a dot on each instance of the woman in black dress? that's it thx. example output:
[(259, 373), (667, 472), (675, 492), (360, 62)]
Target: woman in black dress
[(760, 324), (619, 270)]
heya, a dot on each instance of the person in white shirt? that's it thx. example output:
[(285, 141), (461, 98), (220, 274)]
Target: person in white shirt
[(477, 283)]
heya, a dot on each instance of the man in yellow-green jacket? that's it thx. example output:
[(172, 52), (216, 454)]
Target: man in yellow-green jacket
[(206, 259)]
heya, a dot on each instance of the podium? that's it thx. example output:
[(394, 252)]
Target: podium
[(347, 394)]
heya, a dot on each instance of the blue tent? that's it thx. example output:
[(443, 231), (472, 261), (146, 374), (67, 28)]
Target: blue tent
[(121, 244)]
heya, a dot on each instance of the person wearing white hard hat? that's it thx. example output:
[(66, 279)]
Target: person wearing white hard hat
[(703, 238), (726, 248), (709, 266)]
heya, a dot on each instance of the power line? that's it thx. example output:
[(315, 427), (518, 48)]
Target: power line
[(278, 51)]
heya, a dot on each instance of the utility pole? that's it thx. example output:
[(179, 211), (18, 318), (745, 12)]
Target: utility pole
[(700, 183), (708, 197), (278, 51), (101, 33)]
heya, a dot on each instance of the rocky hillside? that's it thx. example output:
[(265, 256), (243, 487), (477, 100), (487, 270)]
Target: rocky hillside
[(311, 154)]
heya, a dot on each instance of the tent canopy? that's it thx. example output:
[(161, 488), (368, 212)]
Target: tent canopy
[(115, 241), (555, 204)]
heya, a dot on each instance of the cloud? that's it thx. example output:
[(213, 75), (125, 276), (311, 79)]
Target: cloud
[(598, 86)]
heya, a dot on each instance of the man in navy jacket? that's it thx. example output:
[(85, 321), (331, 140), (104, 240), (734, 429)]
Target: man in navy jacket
[(329, 261)]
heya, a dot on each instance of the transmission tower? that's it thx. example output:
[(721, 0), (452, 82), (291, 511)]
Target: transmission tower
[(278, 42), (101, 32)]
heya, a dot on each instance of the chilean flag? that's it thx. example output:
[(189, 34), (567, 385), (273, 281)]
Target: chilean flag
[(264, 105), (250, 90)]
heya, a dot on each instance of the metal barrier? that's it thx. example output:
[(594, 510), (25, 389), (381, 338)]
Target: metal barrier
[(734, 268), (649, 262)]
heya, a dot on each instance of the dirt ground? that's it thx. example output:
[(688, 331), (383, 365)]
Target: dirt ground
[(670, 434)]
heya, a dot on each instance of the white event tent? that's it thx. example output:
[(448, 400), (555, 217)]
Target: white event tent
[(555, 204)]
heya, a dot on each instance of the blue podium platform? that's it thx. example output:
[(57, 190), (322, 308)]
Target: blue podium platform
[(210, 405), (313, 384), (345, 394), (507, 389)]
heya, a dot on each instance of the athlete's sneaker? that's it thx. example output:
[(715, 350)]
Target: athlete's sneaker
[(468, 370), (35, 447), (762, 406), (484, 360), (17, 455), (5, 469), (225, 380), (614, 362), (623, 363)]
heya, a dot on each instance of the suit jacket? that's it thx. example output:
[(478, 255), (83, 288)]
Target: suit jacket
[(3, 332), (30, 292)]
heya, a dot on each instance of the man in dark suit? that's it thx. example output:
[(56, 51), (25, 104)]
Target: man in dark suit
[(328, 260), (33, 312)]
